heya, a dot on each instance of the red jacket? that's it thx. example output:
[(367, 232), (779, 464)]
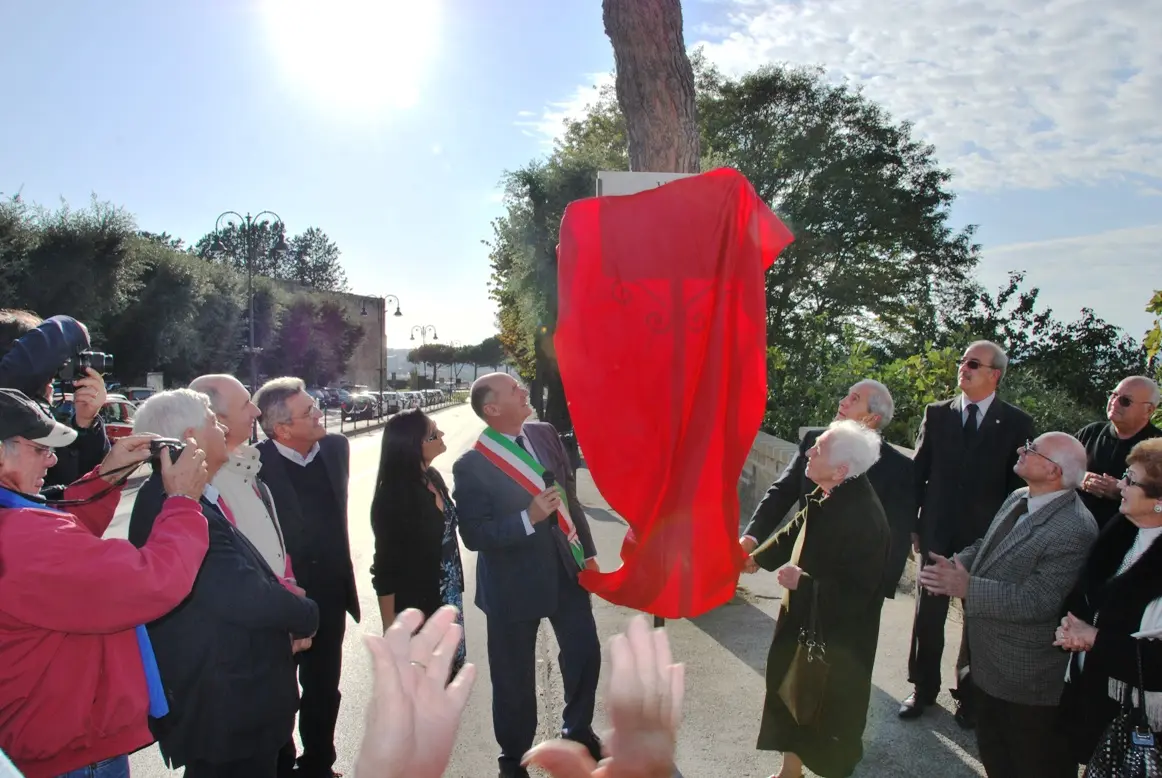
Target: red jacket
[(72, 686)]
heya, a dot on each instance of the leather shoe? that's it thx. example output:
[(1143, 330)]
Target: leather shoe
[(913, 706), (965, 715), (592, 743)]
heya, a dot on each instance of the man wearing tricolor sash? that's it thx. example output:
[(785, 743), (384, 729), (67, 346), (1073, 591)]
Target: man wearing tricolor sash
[(516, 496)]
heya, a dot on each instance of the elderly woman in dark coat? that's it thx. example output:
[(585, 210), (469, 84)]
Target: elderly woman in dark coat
[(1115, 611), (834, 552)]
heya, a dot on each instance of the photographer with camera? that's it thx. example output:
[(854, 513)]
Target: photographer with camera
[(33, 352), (78, 679)]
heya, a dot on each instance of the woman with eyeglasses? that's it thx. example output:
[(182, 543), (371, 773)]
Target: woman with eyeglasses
[(1115, 610), (417, 554)]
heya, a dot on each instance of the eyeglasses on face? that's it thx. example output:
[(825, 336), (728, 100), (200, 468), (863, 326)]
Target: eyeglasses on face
[(44, 451), (1124, 400), (432, 435), (975, 364), (1129, 480), (1031, 447)]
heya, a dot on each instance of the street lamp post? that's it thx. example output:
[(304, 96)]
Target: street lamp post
[(248, 225), (424, 329), (454, 378), (381, 315)]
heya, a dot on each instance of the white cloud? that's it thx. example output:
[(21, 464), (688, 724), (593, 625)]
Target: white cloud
[(1013, 93), (549, 124), (1113, 272)]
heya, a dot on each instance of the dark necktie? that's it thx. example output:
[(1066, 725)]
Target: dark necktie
[(970, 423), (520, 441), (1007, 524)]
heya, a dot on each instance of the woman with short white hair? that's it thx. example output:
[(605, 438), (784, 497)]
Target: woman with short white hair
[(831, 560)]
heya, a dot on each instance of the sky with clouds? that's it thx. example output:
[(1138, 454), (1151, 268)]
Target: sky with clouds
[(389, 123)]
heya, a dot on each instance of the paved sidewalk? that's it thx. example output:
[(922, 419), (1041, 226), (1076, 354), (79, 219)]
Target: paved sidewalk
[(725, 654)]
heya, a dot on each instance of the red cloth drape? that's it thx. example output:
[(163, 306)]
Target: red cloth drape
[(661, 343)]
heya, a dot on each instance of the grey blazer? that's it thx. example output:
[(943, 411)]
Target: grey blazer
[(1015, 594), (517, 573)]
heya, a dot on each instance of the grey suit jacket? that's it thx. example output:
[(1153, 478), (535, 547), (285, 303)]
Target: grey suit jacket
[(1015, 594), (517, 573)]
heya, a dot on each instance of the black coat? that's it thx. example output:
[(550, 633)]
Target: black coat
[(843, 558), (960, 487), (298, 529), (894, 483), (1119, 602), (225, 653), (409, 543)]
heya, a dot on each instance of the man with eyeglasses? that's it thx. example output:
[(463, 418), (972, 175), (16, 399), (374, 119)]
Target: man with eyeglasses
[(965, 454), (1108, 443), (306, 469), (1014, 582)]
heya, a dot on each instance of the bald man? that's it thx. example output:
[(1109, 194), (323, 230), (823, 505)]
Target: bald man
[(532, 542), (1108, 443), (1014, 582), (248, 499)]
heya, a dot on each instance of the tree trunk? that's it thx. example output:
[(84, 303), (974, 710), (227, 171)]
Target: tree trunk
[(655, 84)]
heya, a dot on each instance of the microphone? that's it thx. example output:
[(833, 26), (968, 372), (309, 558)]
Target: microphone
[(550, 481)]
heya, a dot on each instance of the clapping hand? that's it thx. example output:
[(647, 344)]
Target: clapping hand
[(644, 701), (414, 713), (1075, 634), (944, 577)]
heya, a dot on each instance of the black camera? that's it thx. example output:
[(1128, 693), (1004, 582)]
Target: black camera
[(70, 371), (158, 445)]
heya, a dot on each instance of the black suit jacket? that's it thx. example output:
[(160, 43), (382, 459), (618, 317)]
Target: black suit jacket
[(892, 479), (225, 652), (960, 487), (299, 529)]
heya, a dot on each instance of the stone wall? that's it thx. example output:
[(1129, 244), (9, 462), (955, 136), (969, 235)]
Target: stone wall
[(768, 457)]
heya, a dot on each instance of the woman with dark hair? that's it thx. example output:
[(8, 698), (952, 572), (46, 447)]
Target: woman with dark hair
[(417, 555)]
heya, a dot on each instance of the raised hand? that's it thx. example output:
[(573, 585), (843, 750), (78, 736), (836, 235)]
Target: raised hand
[(644, 701), (414, 713)]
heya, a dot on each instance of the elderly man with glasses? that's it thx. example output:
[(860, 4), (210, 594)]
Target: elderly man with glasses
[(1108, 443), (1014, 582)]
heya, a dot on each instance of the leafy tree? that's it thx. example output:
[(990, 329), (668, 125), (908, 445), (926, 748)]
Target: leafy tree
[(313, 260), (229, 246), (163, 238), (1153, 341)]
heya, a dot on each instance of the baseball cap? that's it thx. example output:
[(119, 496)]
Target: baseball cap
[(21, 417)]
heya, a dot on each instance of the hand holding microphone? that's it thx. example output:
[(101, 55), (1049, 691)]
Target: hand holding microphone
[(545, 504)]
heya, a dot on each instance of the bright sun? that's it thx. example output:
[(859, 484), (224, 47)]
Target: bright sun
[(358, 55)]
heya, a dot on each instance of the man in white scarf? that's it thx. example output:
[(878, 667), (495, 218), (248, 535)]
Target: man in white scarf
[(251, 508)]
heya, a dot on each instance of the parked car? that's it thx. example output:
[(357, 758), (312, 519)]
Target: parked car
[(117, 413)]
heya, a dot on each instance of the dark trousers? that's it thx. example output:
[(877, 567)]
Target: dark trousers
[(512, 649), (1021, 741), (255, 767), (927, 648), (320, 668)]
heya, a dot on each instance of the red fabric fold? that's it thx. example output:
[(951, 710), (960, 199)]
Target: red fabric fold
[(661, 344)]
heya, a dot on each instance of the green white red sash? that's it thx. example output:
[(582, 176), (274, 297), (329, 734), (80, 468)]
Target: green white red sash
[(517, 464)]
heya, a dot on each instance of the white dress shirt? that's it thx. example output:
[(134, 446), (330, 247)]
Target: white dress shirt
[(982, 408), (295, 456), (524, 515)]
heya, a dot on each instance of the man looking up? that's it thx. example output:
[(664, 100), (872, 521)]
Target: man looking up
[(1108, 443), (532, 540)]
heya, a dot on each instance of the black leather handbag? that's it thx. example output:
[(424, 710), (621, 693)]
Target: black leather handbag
[(805, 683), (1128, 749)]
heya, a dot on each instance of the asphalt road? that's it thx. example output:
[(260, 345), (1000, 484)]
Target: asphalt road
[(724, 651)]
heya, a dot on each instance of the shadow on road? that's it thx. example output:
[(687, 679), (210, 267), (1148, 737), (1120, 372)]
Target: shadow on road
[(932, 745), (600, 514)]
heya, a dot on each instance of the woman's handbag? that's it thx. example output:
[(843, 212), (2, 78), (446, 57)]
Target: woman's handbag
[(804, 684), (1128, 748)]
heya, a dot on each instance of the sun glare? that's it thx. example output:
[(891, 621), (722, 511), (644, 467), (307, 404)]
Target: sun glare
[(355, 55)]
